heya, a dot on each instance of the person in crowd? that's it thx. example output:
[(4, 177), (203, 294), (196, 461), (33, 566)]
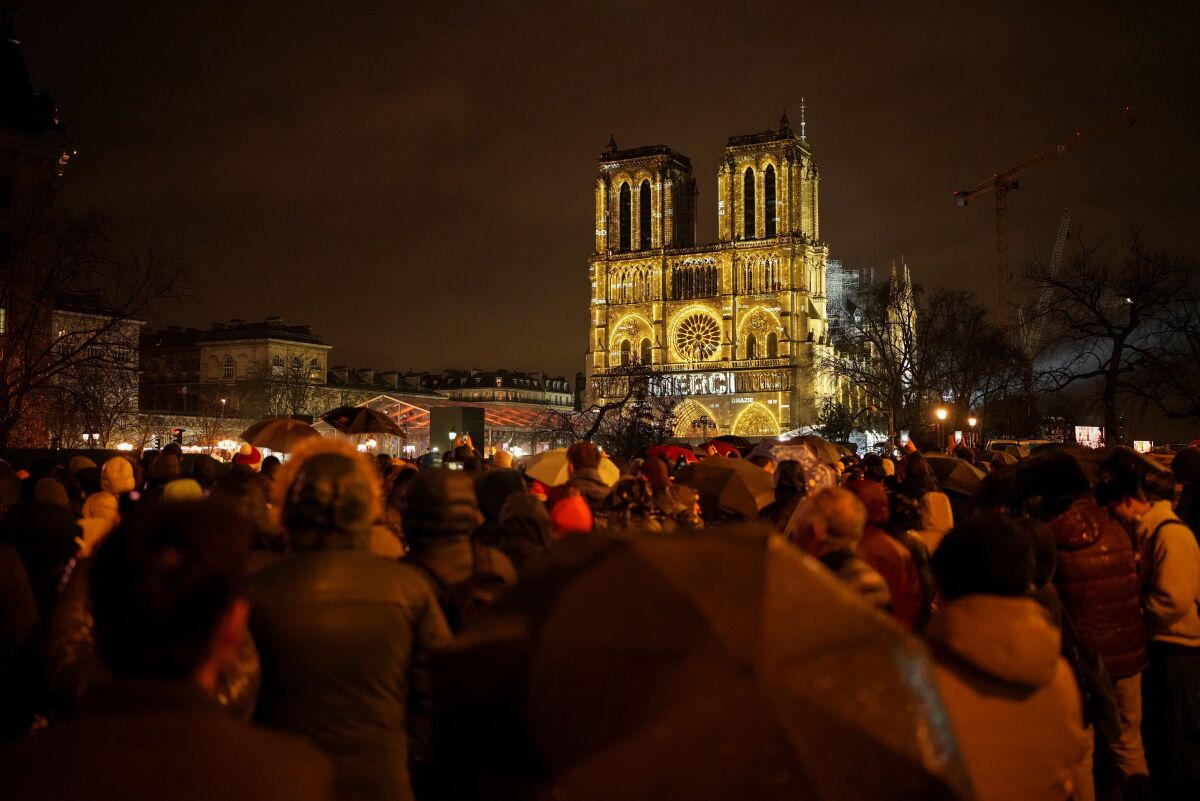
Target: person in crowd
[(1186, 467), (502, 460), (966, 454), (492, 489), (1170, 592), (166, 468), (676, 506), (829, 525), (790, 488), (170, 615), (19, 620), (269, 466), (182, 489), (43, 532), (887, 556), (100, 515), (344, 636), (525, 533), (1096, 578), (248, 457), (440, 512), (1011, 697), (250, 494), (583, 460), (117, 476), (904, 525)]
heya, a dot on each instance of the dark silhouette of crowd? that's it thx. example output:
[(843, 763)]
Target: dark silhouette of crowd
[(172, 627)]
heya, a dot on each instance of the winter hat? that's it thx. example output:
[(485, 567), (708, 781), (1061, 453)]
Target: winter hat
[(502, 459), (538, 490), (493, 488), (78, 463), (248, 455), (571, 515), (182, 489), (51, 491), (873, 497), (117, 476), (102, 506), (1186, 465), (986, 555), (166, 467), (327, 489), (439, 504)]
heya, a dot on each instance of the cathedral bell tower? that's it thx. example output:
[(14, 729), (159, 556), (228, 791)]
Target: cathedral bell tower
[(645, 200)]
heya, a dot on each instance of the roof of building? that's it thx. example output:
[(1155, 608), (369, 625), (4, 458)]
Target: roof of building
[(270, 328), (613, 153), (483, 379), (382, 381)]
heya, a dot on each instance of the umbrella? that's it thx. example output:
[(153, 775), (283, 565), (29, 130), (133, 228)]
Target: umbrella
[(732, 484), (550, 468), (954, 474), (722, 447), (825, 450), (278, 434), (672, 453), (361, 420), (709, 666), (1004, 458), (741, 443)]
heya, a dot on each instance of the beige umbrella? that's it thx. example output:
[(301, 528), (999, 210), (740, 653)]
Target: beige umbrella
[(279, 434), (550, 468)]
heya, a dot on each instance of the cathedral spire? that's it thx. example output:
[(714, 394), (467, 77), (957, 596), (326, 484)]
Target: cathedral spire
[(785, 125), (803, 135), (612, 144)]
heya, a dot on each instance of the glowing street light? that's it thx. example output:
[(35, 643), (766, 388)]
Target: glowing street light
[(940, 413), (971, 421)]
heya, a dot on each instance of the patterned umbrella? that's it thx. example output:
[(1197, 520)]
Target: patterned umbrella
[(361, 420)]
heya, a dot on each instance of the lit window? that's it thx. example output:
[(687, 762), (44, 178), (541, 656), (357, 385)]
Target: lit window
[(276, 365), (626, 352), (295, 364), (645, 354), (227, 367), (751, 347), (772, 345), (769, 196)]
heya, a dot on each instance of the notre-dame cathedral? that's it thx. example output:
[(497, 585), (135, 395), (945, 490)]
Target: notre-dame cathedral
[(739, 326)]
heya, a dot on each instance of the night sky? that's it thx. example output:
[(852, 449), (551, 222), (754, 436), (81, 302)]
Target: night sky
[(415, 180)]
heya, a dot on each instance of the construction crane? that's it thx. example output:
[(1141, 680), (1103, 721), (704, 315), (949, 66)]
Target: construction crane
[(1003, 182), (1031, 329)]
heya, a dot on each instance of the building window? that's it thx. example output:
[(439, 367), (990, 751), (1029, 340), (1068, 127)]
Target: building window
[(295, 364), (769, 196), (314, 370), (748, 203), (3, 320), (751, 347), (644, 216), (646, 356), (227, 367), (276, 365), (772, 345), (626, 352), (626, 219)]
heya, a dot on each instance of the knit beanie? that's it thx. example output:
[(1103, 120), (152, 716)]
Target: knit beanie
[(102, 505), (183, 489), (117, 476), (571, 515), (78, 463), (50, 491)]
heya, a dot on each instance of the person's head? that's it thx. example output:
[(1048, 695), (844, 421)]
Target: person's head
[(250, 494), (918, 476), (1124, 497), (166, 466), (905, 513), (173, 448), (102, 505), (249, 456), (656, 472), (789, 480), (327, 491), (765, 462), (1186, 465), (117, 476), (270, 465), (493, 488), (166, 593), (183, 489), (828, 521), (524, 517), (583, 455), (502, 460), (51, 491), (872, 467), (874, 500), (965, 453), (985, 555), (78, 463), (438, 505)]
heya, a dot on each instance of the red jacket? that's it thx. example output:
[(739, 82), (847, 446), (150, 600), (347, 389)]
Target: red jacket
[(1098, 584), (893, 561)]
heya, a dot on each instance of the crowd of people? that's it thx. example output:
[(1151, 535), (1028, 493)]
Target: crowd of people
[(269, 630)]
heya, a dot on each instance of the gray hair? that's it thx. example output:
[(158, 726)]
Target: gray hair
[(838, 512)]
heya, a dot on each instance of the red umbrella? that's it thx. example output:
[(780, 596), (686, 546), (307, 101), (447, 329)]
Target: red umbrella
[(672, 453)]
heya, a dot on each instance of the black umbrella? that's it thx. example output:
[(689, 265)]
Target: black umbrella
[(710, 666), (732, 484), (955, 475), (361, 420)]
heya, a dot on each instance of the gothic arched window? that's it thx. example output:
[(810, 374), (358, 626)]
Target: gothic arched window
[(751, 347), (645, 355), (772, 345), (769, 196), (644, 217), (625, 352), (748, 202), (276, 365), (626, 220)]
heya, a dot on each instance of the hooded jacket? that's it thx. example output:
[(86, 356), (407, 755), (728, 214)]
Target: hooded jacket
[(1011, 698), (1171, 570), (1097, 582)]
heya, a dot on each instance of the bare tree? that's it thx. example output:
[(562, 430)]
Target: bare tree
[(1110, 324), (48, 253)]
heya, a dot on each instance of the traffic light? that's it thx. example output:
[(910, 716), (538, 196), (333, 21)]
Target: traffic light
[(177, 435)]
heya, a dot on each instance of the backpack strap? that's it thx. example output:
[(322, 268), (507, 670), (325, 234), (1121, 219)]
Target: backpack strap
[(1152, 543)]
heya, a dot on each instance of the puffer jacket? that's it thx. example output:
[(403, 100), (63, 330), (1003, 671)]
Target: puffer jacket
[(344, 638), (1097, 581), (1012, 699)]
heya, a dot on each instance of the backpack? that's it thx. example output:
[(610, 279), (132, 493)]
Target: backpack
[(462, 601)]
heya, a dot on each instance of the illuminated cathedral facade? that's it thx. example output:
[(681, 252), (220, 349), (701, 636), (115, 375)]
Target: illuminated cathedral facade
[(738, 327)]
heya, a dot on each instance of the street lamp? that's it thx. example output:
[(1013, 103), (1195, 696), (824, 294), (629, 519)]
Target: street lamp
[(940, 414), (972, 421), (223, 401), (453, 435)]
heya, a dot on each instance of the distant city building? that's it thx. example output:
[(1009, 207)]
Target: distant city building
[(504, 386), (843, 285), (738, 326)]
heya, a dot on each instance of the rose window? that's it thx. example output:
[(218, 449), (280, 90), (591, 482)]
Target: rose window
[(697, 337)]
